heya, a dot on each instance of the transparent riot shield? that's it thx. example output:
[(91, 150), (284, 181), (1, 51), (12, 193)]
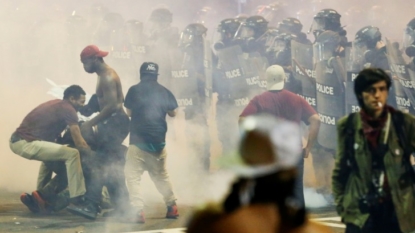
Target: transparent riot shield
[(303, 70), (353, 66), (330, 97), (234, 65), (120, 58), (403, 79), (184, 83), (255, 74)]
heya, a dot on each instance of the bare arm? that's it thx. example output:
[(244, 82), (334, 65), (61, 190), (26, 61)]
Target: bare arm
[(77, 137), (172, 113), (108, 99), (312, 133)]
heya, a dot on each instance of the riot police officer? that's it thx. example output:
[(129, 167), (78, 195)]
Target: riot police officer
[(330, 96), (329, 19), (294, 26), (226, 124), (250, 35), (409, 39), (279, 53), (368, 40), (188, 84), (162, 37), (227, 29)]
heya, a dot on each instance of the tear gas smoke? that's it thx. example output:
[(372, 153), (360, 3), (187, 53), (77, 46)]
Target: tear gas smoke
[(39, 43)]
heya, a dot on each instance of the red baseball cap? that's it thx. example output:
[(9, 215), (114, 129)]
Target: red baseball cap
[(92, 50)]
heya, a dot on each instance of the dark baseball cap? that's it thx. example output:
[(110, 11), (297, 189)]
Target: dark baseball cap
[(149, 68), (92, 50)]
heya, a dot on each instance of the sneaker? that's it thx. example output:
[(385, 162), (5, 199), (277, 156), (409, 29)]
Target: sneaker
[(137, 217), (61, 202), (88, 210), (40, 202), (28, 201), (172, 212)]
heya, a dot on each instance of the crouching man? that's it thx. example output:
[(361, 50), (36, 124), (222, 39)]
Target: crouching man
[(35, 139)]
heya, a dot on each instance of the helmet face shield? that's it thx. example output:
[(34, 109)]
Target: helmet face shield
[(185, 39), (319, 24), (245, 32), (357, 54), (408, 37)]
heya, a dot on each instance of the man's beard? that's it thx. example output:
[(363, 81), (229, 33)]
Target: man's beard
[(92, 69)]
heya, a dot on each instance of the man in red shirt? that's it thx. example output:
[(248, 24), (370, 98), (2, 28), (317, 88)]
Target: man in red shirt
[(287, 105), (35, 139)]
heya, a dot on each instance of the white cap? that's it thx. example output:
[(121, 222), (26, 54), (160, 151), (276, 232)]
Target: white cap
[(275, 78), (285, 139)]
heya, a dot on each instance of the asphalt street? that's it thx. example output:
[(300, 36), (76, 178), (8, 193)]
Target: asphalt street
[(15, 217)]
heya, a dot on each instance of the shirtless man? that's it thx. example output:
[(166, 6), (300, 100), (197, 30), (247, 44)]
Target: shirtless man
[(110, 126)]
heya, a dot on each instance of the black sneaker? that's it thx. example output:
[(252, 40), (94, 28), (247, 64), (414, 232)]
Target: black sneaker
[(28, 201), (61, 201), (88, 210)]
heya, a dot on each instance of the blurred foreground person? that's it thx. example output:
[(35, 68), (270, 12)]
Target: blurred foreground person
[(373, 181), (262, 199), (147, 104), (111, 125), (287, 105), (35, 139)]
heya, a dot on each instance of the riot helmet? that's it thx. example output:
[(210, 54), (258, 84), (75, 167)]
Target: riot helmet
[(253, 27), (251, 33), (291, 25), (326, 46), (192, 35), (161, 15), (159, 21), (326, 19), (368, 36), (281, 42), (226, 31), (409, 38), (242, 17)]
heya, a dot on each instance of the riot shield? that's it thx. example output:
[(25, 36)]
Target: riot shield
[(120, 58), (403, 79), (184, 83), (256, 65), (303, 70), (330, 97), (207, 64), (353, 66), (234, 66)]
